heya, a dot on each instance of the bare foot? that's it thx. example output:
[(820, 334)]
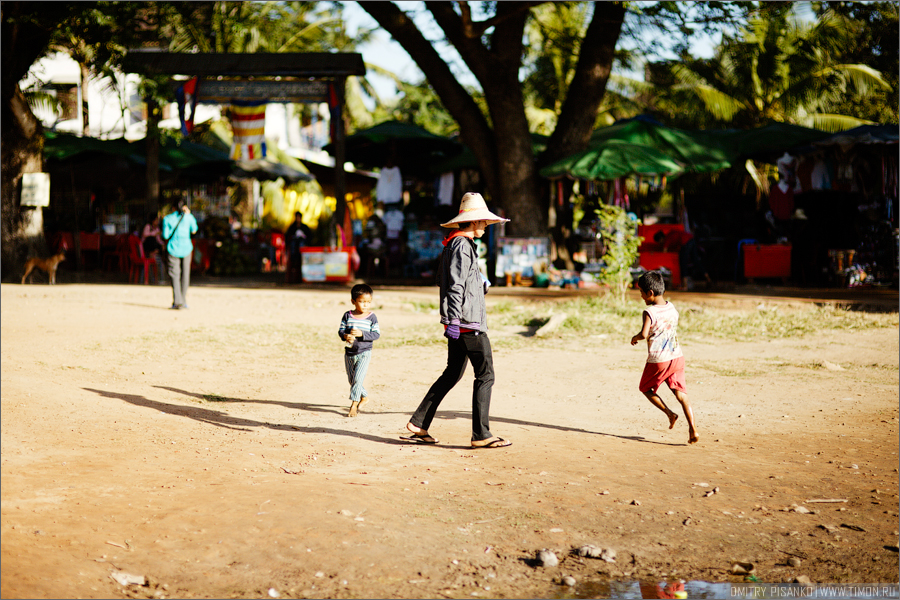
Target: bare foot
[(693, 439), (416, 430), (362, 402), (672, 418)]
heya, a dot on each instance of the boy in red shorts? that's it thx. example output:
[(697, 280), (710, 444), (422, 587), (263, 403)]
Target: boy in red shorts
[(665, 362)]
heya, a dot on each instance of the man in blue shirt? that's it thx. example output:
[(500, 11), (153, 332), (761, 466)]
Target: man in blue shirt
[(177, 228)]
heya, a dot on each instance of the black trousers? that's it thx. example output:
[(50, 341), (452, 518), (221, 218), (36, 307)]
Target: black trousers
[(474, 347)]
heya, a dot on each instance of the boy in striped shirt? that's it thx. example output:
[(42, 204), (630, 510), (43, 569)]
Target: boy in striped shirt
[(359, 328), (665, 361)]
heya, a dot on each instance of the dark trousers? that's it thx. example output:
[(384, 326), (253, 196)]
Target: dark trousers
[(469, 347)]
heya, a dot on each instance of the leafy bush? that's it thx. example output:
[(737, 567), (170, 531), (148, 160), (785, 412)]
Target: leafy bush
[(620, 240)]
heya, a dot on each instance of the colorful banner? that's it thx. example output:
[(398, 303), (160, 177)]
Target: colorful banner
[(186, 95), (248, 125)]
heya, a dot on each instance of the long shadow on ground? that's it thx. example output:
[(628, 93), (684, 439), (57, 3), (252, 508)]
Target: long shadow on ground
[(443, 415)]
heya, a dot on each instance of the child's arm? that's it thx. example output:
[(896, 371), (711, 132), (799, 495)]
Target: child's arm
[(342, 332), (645, 330), (371, 336)]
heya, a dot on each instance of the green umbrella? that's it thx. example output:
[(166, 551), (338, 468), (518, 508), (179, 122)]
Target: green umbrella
[(613, 159), (696, 151)]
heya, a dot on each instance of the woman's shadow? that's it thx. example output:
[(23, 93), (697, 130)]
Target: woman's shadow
[(223, 419), (443, 415)]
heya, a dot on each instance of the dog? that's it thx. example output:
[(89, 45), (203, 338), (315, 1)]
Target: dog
[(47, 265)]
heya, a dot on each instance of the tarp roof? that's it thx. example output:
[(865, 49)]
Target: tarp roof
[(763, 143), (865, 134)]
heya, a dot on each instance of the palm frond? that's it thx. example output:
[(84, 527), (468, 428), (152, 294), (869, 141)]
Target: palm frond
[(833, 123), (865, 79), (760, 181)]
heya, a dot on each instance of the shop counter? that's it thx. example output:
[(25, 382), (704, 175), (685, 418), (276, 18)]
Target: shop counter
[(326, 264)]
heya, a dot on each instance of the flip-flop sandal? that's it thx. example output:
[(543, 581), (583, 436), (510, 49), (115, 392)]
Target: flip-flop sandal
[(494, 443), (419, 439)]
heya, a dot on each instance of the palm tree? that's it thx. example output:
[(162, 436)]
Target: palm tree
[(778, 70)]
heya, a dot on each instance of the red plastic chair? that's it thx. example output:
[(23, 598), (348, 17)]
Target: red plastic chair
[(139, 262), (90, 248), (117, 258), (278, 244)]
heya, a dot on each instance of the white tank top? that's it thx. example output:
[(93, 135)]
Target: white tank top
[(662, 344)]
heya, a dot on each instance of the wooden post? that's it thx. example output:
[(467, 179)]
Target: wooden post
[(340, 177), (151, 204)]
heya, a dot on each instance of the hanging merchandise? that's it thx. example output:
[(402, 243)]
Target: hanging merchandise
[(445, 189), (787, 170), (685, 221), (821, 176), (389, 189), (620, 195)]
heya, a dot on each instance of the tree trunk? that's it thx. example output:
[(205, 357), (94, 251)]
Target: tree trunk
[(585, 93), (503, 148), (85, 113), (22, 40), (22, 149)]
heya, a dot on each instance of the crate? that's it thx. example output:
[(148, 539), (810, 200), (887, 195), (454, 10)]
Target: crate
[(767, 261)]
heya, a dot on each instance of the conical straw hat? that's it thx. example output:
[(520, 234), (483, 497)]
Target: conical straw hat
[(473, 208)]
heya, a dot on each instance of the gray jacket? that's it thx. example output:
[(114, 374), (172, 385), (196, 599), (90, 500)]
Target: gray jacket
[(462, 289)]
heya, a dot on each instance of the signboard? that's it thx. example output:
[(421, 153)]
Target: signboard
[(36, 189), (223, 91), (521, 255), (324, 264)]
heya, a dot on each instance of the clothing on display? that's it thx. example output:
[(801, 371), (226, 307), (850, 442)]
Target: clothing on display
[(393, 221), (445, 189), (390, 185), (787, 170), (822, 174)]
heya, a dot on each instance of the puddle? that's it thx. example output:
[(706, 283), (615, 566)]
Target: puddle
[(648, 589), (705, 589)]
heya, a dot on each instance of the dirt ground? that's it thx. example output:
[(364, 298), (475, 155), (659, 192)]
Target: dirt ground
[(208, 451)]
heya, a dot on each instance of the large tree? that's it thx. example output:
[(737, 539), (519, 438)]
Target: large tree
[(100, 32), (492, 49), (25, 34)]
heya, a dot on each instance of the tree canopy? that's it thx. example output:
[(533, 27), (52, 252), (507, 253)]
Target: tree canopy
[(776, 68)]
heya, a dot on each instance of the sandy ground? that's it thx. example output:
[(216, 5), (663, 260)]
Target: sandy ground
[(208, 451)]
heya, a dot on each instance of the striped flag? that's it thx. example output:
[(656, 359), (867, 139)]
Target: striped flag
[(248, 125), (187, 95)]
